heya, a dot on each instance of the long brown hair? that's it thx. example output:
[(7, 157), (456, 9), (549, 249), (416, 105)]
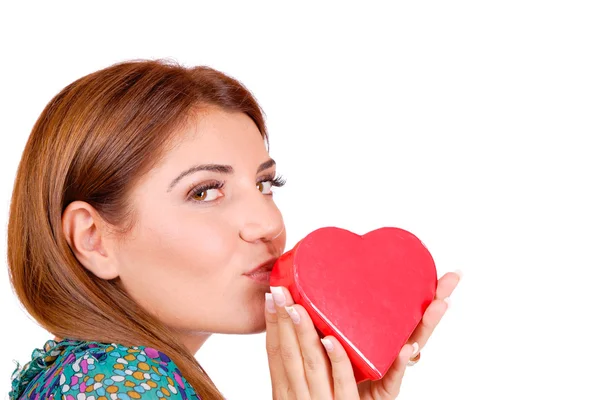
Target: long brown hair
[(93, 142)]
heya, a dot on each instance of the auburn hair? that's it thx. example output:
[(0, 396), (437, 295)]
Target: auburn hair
[(92, 142)]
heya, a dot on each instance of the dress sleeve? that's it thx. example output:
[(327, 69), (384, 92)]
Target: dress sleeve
[(122, 373)]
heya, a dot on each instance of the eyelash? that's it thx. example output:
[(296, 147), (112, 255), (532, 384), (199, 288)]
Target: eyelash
[(276, 181)]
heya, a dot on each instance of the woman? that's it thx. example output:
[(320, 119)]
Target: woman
[(136, 230)]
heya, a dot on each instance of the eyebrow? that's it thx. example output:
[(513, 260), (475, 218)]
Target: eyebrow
[(219, 168)]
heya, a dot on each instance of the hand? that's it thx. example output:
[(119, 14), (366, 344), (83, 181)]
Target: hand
[(301, 368), (388, 387)]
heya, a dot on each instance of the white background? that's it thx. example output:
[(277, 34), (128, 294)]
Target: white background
[(472, 124)]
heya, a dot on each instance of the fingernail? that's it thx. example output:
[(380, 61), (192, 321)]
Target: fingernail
[(278, 295), (447, 300), (328, 344), (415, 346), (269, 303), (293, 314), (459, 273)]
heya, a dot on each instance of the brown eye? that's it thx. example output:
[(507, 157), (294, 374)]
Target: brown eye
[(205, 194), (264, 184), (200, 195)]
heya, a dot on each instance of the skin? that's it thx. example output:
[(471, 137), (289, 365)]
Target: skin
[(185, 259), (302, 368), (197, 250)]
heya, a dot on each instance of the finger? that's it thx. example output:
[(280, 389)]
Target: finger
[(436, 310), (391, 381), (279, 382), (290, 352), (430, 320), (447, 284), (344, 382), (317, 367)]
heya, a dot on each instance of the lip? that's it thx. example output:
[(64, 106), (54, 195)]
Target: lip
[(262, 269), (261, 277), (262, 273)]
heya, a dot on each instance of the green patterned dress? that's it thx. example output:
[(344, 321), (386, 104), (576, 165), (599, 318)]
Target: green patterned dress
[(78, 370)]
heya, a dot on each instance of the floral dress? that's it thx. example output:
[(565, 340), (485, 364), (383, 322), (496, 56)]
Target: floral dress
[(78, 370)]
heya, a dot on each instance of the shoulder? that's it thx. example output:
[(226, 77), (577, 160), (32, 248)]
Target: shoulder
[(92, 370)]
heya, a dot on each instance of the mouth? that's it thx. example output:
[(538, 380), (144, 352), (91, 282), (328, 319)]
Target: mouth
[(262, 273)]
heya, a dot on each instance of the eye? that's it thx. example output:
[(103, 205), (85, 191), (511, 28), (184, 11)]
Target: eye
[(206, 193), (270, 182), (266, 184)]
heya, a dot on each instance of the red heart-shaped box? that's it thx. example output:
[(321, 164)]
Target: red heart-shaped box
[(368, 291)]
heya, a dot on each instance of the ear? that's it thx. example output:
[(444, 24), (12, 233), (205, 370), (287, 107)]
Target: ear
[(88, 236)]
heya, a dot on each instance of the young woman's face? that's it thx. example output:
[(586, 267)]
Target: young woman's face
[(186, 259)]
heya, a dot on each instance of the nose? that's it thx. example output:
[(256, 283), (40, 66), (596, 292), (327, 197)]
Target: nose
[(262, 220)]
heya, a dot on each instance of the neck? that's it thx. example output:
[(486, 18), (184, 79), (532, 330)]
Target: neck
[(193, 340)]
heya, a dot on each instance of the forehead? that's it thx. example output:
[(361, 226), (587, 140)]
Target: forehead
[(216, 135), (209, 137)]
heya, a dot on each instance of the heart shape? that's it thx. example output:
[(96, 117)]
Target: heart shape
[(368, 291)]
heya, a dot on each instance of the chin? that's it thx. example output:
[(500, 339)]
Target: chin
[(252, 331), (253, 325)]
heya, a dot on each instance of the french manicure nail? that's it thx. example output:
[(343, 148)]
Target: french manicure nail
[(328, 344), (278, 295), (269, 303), (447, 301), (293, 314), (459, 273), (415, 346)]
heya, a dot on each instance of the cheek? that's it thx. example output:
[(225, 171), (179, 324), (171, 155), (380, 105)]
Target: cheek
[(184, 260), (201, 247)]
